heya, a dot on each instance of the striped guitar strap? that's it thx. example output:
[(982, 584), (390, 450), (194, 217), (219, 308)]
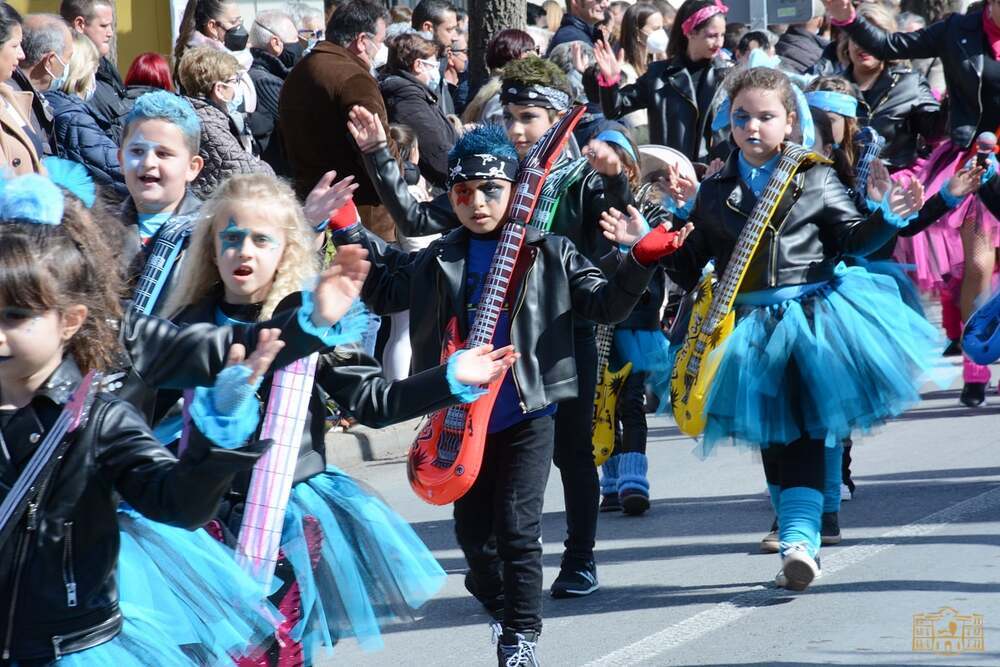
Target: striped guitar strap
[(166, 249), (565, 173), (271, 482)]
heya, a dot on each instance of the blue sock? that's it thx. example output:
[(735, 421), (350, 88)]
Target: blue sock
[(775, 491), (632, 469), (799, 517), (609, 476), (831, 490)]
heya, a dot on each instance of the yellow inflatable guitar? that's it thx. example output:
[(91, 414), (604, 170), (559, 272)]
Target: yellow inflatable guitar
[(712, 316), (606, 397)]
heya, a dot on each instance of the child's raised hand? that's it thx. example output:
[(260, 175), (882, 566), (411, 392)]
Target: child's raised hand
[(328, 197), (659, 243), (603, 158), (579, 61), (714, 167), (340, 284), (905, 201), (268, 347), (483, 365), (367, 129), (680, 188), (879, 181), (609, 64), (623, 229), (966, 180)]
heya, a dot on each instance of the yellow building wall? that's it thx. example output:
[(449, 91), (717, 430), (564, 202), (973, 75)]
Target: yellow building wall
[(143, 25)]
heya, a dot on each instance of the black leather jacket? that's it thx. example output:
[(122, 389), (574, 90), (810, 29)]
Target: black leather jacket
[(552, 285), (815, 224), (904, 110), (678, 117), (58, 592), (352, 379), (958, 41)]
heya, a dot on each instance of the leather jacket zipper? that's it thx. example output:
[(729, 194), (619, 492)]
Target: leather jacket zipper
[(69, 577), (517, 309), (84, 639), (20, 559)]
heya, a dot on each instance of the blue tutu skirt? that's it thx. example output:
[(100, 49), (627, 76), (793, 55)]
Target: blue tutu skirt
[(190, 584), (898, 272), (368, 568), (844, 356), (648, 352), (147, 638)]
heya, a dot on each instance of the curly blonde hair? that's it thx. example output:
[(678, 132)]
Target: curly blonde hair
[(299, 261)]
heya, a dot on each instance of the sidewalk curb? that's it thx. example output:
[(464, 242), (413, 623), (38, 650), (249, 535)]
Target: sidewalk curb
[(361, 444)]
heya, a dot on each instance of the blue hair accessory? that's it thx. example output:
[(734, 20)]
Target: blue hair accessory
[(805, 118), (72, 176), (722, 113), (834, 102), (31, 198), (619, 139)]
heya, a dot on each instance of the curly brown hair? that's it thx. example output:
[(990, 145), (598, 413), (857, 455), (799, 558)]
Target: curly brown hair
[(408, 48)]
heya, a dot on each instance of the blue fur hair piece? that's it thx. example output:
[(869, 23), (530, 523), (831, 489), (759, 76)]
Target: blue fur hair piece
[(490, 138), (172, 108), (72, 176), (31, 198)]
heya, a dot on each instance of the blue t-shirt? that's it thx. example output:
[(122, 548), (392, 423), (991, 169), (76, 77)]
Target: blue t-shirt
[(507, 410), (150, 223), (756, 178)]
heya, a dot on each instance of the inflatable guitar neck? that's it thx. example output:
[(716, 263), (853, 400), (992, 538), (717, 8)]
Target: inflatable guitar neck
[(444, 460)]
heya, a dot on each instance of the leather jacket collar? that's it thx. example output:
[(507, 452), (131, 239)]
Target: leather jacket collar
[(62, 382)]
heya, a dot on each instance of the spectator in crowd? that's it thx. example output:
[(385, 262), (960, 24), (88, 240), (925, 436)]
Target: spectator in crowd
[(643, 39), (218, 24), (401, 14), (580, 24), (17, 150), (801, 46), (80, 132), (48, 46), (506, 45), (319, 93), (616, 10), (931, 68), (763, 40), (150, 70), (456, 74), (309, 22), (211, 80), (408, 90), (96, 20), (536, 16), (668, 12), (438, 21), (274, 45), (554, 13)]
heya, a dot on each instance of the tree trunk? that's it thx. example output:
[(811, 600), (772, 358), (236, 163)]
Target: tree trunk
[(932, 10), (487, 18)]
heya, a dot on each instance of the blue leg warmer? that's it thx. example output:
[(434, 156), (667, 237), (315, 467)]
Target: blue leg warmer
[(609, 476), (831, 489), (799, 517), (632, 469)]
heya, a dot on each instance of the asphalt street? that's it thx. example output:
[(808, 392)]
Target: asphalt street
[(686, 585)]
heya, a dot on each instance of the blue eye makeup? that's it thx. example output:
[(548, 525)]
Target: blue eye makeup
[(233, 237), (740, 119)]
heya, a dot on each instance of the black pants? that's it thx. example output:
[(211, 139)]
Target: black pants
[(631, 409), (506, 502), (799, 463), (574, 453)]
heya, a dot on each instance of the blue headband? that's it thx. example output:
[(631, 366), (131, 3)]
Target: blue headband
[(828, 100), (619, 139)]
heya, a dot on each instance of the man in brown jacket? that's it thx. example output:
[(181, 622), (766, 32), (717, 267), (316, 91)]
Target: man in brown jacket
[(321, 90)]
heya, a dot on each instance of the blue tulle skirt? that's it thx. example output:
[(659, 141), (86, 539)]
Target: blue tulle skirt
[(843, 357), (898, 272), (190, 584), (147, 638), (648, 352), (370, 566)]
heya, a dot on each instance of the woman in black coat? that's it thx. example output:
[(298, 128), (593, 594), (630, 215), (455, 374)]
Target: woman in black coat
[(412, 76)]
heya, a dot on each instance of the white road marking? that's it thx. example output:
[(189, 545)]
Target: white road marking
[(738, 606)]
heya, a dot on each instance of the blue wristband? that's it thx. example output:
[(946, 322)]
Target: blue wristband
[(228, 412), (466, 393), (646, 229), (950, 200)]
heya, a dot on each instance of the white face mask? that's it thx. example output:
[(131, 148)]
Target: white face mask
[(656, 41), (381, 56)]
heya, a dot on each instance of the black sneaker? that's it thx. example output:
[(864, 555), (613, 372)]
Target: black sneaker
[(954, 348), (973, 394), (610, 503), (771, 544), (575, 580), (517, 649), (634, 503), (829, 531), (492, 602)]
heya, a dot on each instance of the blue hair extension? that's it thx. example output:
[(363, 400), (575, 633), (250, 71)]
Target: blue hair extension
[(72, 176), (31, 198), (172, 108), (490, 138)]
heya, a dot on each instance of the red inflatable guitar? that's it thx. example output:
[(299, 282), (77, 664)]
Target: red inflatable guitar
[(448, 452)]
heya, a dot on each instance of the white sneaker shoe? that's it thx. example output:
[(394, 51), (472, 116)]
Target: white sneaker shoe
[(846, 493), (798, 569)]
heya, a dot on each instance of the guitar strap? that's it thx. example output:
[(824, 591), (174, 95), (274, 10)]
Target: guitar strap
[(165, 252)]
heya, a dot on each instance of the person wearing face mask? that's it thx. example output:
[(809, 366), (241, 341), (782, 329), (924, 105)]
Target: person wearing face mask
[(456, 73), (643, 40), (79, 130), (680, 92), (412, 77), (275, 47), (320, 92), (48, 47), (218, 24), (210, 79)]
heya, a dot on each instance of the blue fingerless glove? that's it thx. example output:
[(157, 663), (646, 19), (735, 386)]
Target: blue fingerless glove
[(228, 412), (887, 213), (679, 212), (466, 393), (348, 330)]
